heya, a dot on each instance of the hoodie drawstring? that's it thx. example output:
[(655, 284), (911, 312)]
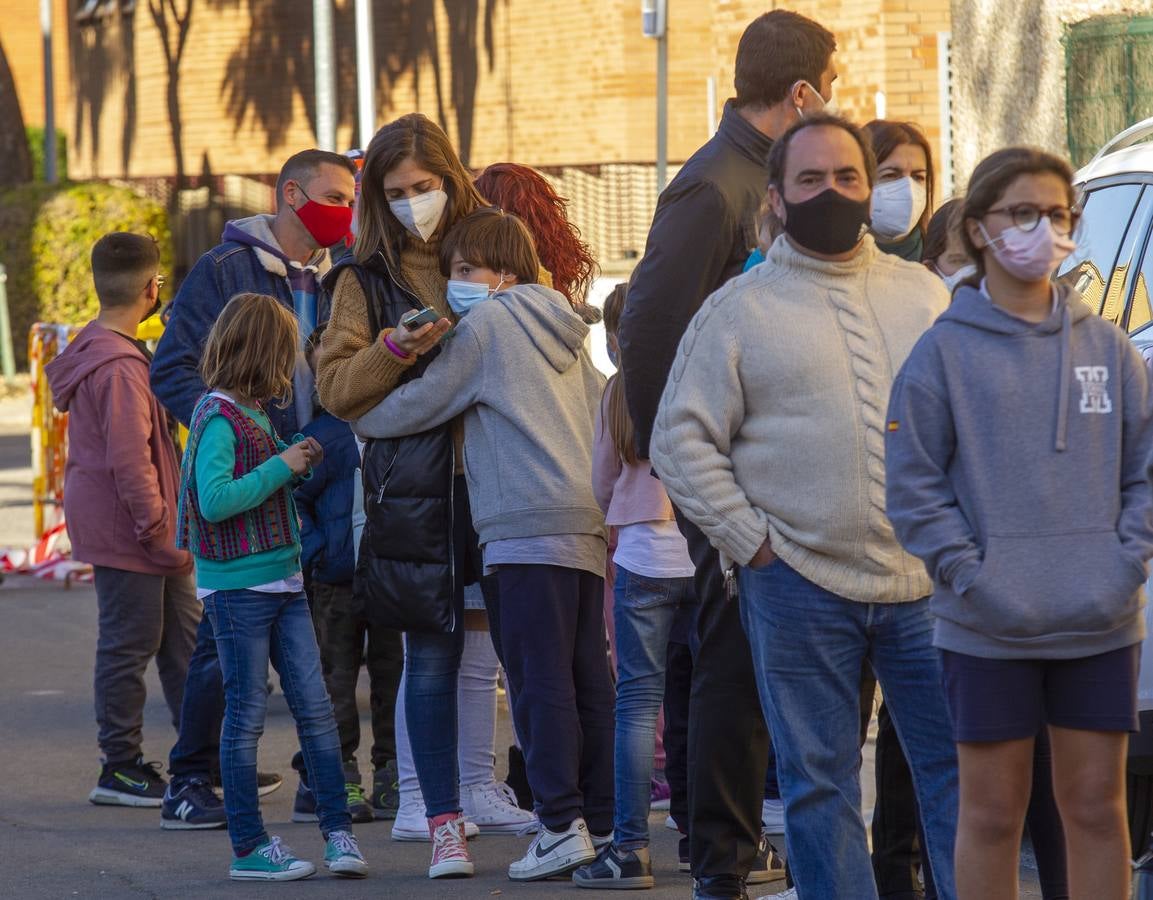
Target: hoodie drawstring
[(1066, 351)]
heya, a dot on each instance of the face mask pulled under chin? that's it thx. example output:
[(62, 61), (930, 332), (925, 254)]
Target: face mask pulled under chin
[(952, 282), (421, 214)]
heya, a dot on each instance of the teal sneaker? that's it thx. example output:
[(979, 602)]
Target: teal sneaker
[(342, 855), (272, 861)]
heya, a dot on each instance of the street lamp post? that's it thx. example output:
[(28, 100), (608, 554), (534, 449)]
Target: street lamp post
[(325, 62), (49, 93), (365, 73), (654, 24)]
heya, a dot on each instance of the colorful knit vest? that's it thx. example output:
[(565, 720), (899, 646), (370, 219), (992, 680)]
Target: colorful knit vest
[(270, 525)]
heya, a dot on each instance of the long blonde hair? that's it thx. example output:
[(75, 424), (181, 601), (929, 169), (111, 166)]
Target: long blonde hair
[(418, 138)]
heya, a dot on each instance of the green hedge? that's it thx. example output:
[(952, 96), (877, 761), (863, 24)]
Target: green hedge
[(36, 148), (46, 236)]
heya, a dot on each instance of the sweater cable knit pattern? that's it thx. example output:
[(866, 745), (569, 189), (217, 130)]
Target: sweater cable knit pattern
[(871, 379)]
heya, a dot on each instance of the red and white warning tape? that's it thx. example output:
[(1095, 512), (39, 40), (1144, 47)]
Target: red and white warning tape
[(47, 560)]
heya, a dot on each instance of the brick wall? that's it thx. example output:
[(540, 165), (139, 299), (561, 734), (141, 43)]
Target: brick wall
[(21, 36), (567, 84)]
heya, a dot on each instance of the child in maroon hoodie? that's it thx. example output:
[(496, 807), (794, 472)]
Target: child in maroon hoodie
[(120, 495)]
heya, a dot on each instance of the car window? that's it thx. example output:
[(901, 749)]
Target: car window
[(1090, 268), (1140, 311)]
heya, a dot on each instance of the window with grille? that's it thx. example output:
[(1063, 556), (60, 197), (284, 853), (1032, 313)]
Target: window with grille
[(1108, 80)]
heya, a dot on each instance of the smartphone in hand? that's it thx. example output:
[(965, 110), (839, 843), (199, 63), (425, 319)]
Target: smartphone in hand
[(426, 316)]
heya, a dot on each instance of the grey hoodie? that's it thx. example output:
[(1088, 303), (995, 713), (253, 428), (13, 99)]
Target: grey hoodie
[(517, 367), (1016, 470)]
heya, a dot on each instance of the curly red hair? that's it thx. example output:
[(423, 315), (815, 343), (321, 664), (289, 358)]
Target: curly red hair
[(527, 194)]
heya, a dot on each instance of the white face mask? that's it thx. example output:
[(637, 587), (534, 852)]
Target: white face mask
[(952, 281), (897, 207), (825, 104), (422, 214)]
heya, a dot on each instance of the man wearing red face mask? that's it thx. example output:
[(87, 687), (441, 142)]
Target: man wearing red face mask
[(282, 255)]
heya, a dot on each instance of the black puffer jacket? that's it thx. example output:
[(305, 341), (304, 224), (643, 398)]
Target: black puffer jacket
[(405, 570)]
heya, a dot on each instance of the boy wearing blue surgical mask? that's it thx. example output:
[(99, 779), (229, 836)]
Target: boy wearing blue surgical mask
[(518, 370)]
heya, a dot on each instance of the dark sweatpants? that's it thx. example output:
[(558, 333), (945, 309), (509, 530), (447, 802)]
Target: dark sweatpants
[(348, 640), (552, 637), (141, 618)]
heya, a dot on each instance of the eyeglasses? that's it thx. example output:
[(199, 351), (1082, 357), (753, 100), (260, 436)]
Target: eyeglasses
[(1027, 216)]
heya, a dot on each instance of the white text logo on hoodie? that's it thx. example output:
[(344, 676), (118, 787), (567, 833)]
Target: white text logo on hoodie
[(1094, 388)]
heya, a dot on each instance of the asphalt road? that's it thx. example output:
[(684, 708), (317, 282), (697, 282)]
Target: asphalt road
[(56, 845)]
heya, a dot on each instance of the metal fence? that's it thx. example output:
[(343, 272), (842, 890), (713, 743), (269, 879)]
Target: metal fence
[(1108, 79)]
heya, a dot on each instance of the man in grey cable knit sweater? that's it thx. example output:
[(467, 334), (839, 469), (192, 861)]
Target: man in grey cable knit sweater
[(770, 437)]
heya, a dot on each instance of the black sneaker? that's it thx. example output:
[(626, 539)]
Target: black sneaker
[(386, 791), (358, 807), (613, 870), (684, 861), (191, 805), (266, 783), (134, 783), (767, 867), (304, 806)]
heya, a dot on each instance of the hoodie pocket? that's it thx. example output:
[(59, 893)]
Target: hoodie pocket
[(1030, 586)]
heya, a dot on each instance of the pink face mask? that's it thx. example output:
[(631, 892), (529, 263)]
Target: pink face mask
[(1030, 255)]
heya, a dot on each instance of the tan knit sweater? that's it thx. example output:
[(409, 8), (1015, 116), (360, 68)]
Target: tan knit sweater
[(773, 419), (356, 370)]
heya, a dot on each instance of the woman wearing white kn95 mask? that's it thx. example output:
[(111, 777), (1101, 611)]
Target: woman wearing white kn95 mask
[(903, 193)]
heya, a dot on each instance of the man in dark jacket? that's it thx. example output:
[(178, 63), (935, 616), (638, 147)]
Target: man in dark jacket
[(281, 255), (702, 233)]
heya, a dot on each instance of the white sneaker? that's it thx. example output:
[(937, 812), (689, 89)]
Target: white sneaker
[(411, 824), (773, 816), (493, 808), (671, 823), (554, 853), (790, 894)]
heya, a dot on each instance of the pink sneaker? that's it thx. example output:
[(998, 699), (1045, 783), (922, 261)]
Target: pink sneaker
[(450, 856)]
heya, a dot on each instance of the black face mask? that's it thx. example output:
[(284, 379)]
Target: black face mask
[(154, 309), (828, 223)]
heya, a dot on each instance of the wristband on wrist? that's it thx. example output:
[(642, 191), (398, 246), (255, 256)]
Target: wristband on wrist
[(396, 351)]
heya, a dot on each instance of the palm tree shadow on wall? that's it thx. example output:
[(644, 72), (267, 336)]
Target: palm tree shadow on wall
[(270, 76)]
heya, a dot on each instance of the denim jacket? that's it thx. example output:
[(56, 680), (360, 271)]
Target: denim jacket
[(230, 268)]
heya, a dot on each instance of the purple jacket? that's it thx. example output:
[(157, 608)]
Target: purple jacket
[(122, 475)]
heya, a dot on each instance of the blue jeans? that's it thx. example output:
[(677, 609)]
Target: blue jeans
[(808, 648), (197, 748), (431, 667), (644, 611), (252, 627)]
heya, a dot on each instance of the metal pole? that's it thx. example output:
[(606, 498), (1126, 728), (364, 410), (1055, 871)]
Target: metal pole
[(662, 110), (365, 73), (7, 353), (49, 95), (325, 74)]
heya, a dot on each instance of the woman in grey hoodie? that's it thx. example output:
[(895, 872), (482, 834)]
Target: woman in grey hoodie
[(1018, 436)]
